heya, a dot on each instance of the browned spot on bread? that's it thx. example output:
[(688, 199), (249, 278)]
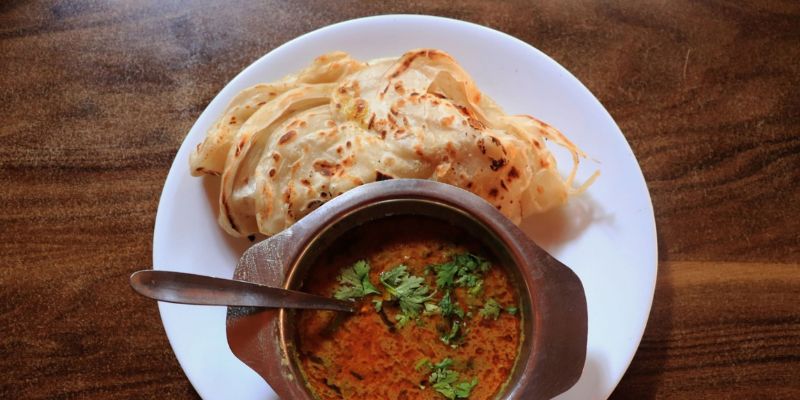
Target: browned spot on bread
[(398, 87), (539, 189), (380, 176), (469, 185), (371, 121), (233, 120), (451, 149), (330, 123), (360, 110), (513, 174), (272, 172), (497, 143), (493, 192), (348, 144), (276, 157), (305, 182), (498, 163), (447, 121), (313, 204), (224, 201), (503, 185), (475, 124), (325, 168), (543, 163), (287, 198), (482, 146), (464, 110), (409, 58), (287, 137)]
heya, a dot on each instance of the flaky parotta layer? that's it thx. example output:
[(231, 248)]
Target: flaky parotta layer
[(282, 149)]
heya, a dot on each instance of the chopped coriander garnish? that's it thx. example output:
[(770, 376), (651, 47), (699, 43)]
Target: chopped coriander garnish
[(491, 309), (448, 337), (378, 305), (431, 308), (445, 274), (463, 270), (445, 381), (423, 363), (410, 291), (512, 310), (449, 307), (355, 282)]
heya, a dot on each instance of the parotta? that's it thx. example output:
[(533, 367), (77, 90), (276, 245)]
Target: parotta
[(284, 148)]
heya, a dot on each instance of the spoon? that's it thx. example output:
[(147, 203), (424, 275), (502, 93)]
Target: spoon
[(183, 288)]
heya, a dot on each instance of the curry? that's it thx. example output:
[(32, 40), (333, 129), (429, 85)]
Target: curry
[(437, 317)]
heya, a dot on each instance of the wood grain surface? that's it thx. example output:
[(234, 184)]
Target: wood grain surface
[(96, 97)]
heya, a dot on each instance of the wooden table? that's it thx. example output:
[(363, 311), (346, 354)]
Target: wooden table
[(96, 97)]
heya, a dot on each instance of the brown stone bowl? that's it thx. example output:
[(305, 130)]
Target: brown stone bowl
[(552, 300)]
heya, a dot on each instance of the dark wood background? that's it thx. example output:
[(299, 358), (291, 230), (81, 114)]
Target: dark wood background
[(96, 97)]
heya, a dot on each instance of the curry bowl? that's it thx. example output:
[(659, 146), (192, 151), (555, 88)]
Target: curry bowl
[(552, 305)]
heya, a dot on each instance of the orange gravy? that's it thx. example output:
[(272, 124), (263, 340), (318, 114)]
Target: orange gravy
[(367, 356)]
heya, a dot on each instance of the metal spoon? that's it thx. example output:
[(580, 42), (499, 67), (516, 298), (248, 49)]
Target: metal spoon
[(183, 288)]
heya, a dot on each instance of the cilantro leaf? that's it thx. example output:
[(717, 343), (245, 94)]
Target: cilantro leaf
[(448, 337), (449, 307), (445, 274), (512, 310), (491, 309), (445, 381), (431, 308), (463, 270), (463, 389), (354, 282), (410, 291)]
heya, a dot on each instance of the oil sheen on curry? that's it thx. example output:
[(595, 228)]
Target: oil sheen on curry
[(437, 319)]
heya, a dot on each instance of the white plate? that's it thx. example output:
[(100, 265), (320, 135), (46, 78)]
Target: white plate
[(607, 236)]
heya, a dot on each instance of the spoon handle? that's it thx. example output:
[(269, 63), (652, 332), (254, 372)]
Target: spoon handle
[(183, 288)]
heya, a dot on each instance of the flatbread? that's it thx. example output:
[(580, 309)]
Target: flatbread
[(285, 148)]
